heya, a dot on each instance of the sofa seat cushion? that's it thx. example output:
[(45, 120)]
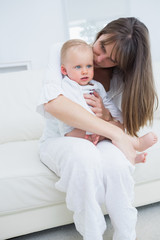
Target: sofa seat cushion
[(150, 170), (25, 182)]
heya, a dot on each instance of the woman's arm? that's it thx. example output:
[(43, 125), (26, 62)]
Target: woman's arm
[(77, 117)]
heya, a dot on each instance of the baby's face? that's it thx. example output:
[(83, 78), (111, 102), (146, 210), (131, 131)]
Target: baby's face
[(79, 66)]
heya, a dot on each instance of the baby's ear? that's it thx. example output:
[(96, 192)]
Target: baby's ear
[(63, 70)]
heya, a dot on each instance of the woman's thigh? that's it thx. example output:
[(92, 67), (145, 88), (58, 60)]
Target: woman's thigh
[(78, 164), (112, 157), (57, 153)]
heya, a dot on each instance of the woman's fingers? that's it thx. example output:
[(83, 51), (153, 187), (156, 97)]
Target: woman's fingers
[(92, 103), (97, 111), (90, 96), (96, 94), (92, 100), (96, 104)]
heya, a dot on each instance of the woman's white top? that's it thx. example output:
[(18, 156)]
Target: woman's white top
[(53, 86)]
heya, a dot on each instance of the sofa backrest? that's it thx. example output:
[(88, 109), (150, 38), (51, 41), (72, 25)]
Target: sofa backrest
[(19, 93)]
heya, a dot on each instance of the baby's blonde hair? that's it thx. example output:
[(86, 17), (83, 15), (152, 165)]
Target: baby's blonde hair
[(74, 44)]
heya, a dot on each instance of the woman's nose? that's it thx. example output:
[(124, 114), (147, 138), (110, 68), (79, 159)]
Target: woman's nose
[(100, 58)]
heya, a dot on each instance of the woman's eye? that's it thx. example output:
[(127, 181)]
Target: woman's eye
[(77, 67), (103, 48)]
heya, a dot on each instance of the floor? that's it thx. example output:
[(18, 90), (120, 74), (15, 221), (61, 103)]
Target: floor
[(148, 228)]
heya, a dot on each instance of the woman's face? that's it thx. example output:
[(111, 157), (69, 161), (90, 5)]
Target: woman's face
[(102, 53)]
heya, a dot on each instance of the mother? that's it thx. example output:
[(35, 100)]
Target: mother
[(94, 175)]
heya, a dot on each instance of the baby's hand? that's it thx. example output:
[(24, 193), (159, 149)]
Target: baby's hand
[(94, 138)]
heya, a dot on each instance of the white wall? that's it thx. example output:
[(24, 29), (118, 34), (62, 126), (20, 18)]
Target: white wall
[(28, 28), (93, 9), (148, 11)]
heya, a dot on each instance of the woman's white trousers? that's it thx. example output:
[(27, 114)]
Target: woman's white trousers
[(91, 176)]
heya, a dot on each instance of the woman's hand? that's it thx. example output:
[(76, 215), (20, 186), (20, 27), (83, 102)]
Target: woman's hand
[(95, 101)]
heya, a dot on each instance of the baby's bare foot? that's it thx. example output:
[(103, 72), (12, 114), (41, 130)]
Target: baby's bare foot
[(146, 141), (140, 158)]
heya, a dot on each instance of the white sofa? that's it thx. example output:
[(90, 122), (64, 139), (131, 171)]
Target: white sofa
[(29, 201)]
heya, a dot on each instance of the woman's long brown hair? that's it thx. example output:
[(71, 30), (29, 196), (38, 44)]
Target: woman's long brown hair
[(132, 53)]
